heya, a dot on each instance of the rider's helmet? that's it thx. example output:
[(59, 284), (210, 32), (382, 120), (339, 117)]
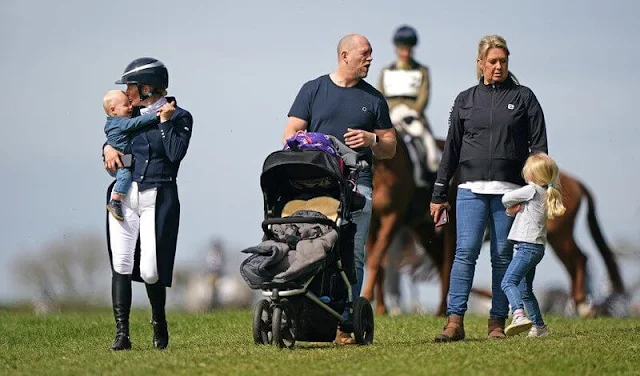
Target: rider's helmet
[(405, 36), (146, 71)]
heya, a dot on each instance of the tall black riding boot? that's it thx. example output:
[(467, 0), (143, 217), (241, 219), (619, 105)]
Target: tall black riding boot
[(121, 299), (157, 294)]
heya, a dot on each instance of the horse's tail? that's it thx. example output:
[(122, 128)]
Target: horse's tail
[(603, 247)]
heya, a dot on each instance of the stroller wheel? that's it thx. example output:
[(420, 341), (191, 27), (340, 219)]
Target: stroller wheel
[(262, 333), (283, 325), (363, 321)]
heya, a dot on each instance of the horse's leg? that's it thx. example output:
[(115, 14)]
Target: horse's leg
[(415, 256), (448, 248), (436, 245), (388, 225), (573, 260), (380, 279), (381, 308), (561, 238), (396, 257), (369, 283)]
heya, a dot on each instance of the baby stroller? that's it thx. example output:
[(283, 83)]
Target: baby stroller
[(305, 264)]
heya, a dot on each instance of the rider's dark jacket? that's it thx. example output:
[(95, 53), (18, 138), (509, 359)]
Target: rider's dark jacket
[(492, 130)]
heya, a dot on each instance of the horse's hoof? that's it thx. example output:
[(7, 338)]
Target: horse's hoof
[(395, 312), (586, 310)]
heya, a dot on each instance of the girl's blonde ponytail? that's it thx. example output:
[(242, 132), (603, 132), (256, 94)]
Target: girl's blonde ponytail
[(555, 206)]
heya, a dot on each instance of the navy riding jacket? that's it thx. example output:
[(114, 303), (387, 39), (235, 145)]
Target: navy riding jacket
[(157, 150)]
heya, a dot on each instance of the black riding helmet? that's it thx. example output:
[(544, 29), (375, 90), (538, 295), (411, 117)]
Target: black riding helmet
[(146, 71), (405, 36)]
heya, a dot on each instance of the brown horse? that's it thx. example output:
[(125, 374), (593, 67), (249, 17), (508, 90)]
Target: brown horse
[(393, 192), (561, 238), (397, 202)]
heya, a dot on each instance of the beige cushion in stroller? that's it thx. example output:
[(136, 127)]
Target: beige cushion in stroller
[(326, 205)]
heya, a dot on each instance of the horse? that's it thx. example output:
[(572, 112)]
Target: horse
[(560, 235), (393, 191), (398, 203)]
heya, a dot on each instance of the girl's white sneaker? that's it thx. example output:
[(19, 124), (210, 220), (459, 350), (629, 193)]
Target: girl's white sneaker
[(518, 325)]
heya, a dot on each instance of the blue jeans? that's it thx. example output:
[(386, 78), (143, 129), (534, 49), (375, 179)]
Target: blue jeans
[(517, 283), (123, 180), (474, 212), (362, 219)]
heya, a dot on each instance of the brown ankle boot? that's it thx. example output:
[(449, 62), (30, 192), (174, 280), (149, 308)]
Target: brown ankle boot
[(496, 328), (453, 330)]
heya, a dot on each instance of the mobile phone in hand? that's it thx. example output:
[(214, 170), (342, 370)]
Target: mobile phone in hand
[(127, 160), (444, 218)]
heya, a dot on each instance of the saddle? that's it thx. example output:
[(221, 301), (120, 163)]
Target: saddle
[(419, 142)]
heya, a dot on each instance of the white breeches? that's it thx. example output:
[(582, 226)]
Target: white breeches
[(433, 157), (139, 212)]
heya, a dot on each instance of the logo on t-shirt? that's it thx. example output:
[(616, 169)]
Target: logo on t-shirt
[(510, 106), (364, 109)]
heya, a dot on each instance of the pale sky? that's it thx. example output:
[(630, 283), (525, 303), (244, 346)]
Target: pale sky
[(237, 65)]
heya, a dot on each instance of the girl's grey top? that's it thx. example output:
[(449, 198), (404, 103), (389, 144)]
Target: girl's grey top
[(530, 223)]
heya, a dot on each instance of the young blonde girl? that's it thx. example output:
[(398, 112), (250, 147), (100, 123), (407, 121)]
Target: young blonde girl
[(532, 204)]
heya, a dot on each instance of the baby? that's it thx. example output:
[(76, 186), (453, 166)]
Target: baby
[(117, 128)]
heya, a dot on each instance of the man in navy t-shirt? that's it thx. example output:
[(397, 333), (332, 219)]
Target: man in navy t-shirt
[(343, 105)]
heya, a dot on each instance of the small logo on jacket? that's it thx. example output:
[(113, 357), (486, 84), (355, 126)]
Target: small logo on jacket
[(510, 106), (364, 109)]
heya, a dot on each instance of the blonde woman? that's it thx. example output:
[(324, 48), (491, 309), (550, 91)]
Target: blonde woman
[(532, 204), (493, 127)]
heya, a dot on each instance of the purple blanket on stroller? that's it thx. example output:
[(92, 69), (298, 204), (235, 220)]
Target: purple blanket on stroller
[(346, 156), (310, 140)]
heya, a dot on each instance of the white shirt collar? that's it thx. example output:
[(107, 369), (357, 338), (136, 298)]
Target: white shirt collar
[(153, 108)]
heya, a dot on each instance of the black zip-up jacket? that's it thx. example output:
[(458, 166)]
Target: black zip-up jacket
[(492, 130)]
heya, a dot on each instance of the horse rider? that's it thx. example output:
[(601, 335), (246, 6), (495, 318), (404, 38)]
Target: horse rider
[(405, 85)]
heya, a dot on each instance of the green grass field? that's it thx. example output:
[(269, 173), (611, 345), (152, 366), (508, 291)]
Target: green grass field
[(221, 343)]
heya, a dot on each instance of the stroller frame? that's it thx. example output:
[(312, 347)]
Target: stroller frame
[(274, 317), (276, 293)]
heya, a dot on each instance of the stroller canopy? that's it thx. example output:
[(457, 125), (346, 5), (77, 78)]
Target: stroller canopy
[(282, 167)]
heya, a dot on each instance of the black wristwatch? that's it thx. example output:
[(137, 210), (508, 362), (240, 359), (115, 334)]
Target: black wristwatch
[(375, 142)]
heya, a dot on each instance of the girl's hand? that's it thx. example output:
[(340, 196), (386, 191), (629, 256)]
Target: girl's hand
[(513, 210)]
